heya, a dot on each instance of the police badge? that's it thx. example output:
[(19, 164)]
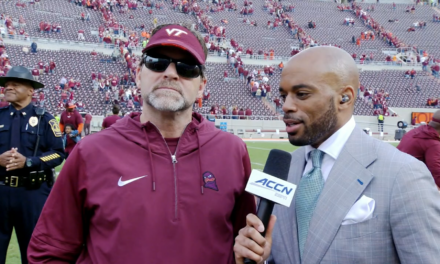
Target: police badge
[(33, 121)]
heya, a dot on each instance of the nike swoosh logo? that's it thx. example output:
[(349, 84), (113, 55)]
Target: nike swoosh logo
[(122, 183)]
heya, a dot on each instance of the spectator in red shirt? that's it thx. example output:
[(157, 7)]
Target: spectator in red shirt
[(41, 67), (107, 97), (52, 66), (234, 113), (42, 99), (435, 70), (248, 113), (71, 95), (36, 74), (73, 117), (114, 83), (206, 95), (110, 120), (46, 69), (412, 73), (423, 143), (277, 103), (71, 84), (241, 113), (88, 119)]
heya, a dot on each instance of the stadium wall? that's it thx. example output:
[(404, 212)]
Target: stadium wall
[(275, 129)]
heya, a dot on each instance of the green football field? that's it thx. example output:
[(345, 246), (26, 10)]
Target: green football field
[(258, 152)]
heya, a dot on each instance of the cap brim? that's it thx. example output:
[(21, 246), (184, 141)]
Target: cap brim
[(35, 84), (180, 45)]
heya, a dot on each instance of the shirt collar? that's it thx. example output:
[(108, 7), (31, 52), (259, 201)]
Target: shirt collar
[(334, 144), (26, 111)]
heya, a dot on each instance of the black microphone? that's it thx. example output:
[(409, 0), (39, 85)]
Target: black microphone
[(277, 165)]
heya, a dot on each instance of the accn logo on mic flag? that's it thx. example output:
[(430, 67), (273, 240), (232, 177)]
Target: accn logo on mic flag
[(271, 188)]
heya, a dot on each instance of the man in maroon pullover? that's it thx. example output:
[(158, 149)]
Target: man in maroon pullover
[(146, 190), (423, 143)]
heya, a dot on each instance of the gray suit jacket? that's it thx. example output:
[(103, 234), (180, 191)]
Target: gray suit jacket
[(405, 227)]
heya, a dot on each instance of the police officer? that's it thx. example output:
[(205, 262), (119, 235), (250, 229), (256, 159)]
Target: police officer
[(30, 147)]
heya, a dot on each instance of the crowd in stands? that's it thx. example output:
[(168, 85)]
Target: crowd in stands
[(13, 26), (120, 89), (5, 63), (377, 99)]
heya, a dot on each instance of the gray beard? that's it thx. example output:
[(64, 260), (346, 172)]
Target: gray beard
[(167, 102)]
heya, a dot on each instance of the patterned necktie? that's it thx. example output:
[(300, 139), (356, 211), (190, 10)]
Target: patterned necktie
[(309, 189), (15, 130)]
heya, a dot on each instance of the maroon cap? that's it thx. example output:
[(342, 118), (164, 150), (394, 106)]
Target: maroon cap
[(177, 36)]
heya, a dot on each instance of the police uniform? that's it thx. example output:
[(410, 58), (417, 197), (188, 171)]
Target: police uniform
[(24, 191)]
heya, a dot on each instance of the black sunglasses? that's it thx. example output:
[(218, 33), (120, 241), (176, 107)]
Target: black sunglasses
[(183, 69)]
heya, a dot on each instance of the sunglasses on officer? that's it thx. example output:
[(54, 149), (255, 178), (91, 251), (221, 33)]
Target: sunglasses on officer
[(184, 69)]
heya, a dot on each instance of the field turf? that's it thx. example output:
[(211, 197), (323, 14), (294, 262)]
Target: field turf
[(258, 152)]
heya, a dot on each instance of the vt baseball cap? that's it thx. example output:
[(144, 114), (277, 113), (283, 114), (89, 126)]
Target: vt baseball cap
[(177, 36)]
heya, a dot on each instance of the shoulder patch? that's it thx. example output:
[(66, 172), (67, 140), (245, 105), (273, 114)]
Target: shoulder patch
[(55, 128)]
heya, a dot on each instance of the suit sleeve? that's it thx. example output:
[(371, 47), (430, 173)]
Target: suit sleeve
[(53, 154), (432, 159), (59, 234), (245, 203), (414, 214)]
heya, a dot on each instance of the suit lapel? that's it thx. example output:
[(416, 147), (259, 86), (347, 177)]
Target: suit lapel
[(290, 234), (345, 184)]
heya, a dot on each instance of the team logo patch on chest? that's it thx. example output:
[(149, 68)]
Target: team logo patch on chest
[(210, 181)]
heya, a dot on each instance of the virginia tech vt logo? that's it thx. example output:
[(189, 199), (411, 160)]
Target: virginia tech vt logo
[(175, 32)]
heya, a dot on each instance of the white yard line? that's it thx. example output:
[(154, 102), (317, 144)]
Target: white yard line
[(259, 148), (256, 163)]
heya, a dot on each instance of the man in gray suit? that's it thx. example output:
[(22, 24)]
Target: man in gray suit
[(358, 200)]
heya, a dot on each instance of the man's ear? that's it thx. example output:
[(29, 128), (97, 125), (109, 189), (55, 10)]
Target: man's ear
[(347, 97)]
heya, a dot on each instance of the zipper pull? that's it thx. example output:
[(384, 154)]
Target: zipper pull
[(173, 158)]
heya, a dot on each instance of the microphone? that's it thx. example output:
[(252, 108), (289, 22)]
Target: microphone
[(277, 165)]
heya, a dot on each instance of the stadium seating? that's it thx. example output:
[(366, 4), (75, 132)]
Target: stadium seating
[(330, 30), (424, 39)]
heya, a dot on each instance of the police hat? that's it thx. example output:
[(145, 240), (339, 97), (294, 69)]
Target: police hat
[(20, 73)]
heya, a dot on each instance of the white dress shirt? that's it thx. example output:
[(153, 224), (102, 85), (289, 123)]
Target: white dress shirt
[(331, 147)]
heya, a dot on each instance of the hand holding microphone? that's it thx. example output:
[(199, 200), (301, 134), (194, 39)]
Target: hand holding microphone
[(253, 244), (250, 245)]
